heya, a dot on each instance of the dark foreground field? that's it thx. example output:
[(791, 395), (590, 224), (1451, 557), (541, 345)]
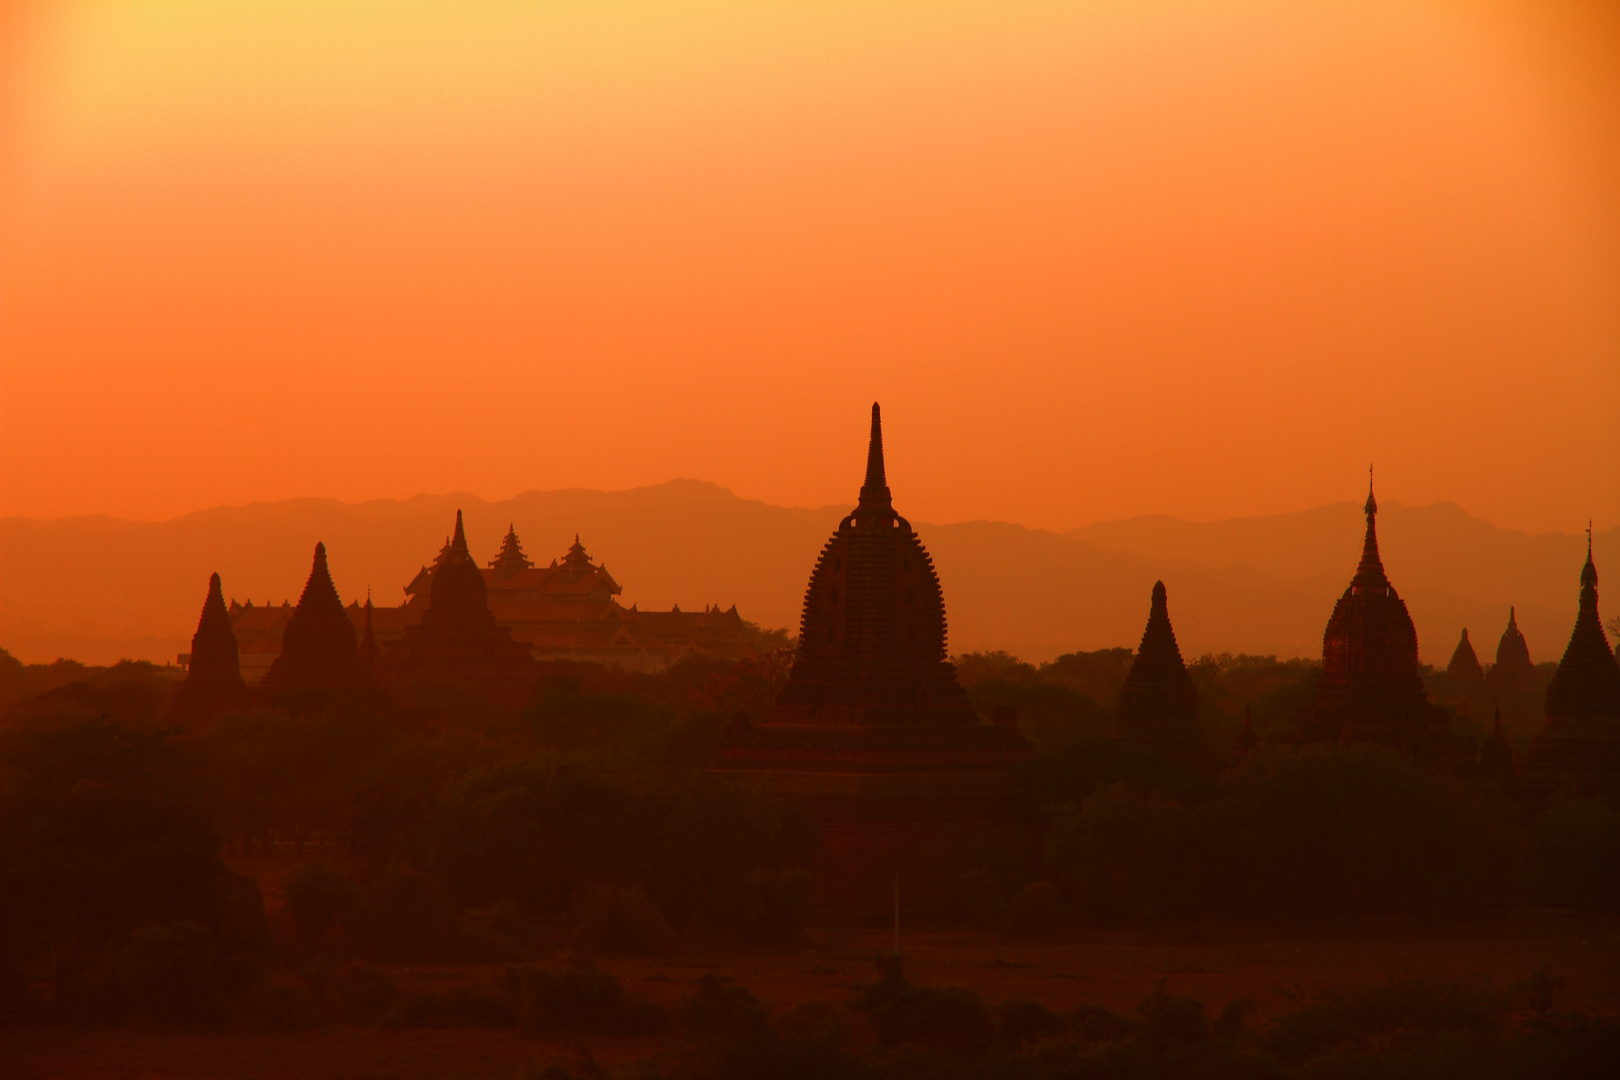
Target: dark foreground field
[(1116, 970)]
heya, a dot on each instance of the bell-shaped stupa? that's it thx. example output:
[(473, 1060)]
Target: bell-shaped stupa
[(214, 676), (872, 734), (1158, 706), (1370, 689)]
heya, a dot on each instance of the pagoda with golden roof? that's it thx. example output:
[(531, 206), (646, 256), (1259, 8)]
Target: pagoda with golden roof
[(872, 734)]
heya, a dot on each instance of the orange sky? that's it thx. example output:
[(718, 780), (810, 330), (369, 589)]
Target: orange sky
[(1095, 259)]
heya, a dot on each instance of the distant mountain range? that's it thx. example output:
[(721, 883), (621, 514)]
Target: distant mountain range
[(99, 589)]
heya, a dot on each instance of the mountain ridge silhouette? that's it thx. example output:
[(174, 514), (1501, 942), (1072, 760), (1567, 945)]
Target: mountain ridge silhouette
[(99, 589)]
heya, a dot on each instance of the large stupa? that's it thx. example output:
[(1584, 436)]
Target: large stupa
[(873, 735)]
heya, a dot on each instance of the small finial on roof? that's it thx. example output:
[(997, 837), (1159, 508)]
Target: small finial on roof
[(875, 491)]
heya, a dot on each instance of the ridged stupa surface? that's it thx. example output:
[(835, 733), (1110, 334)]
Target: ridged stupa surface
[(873, 735), (1370, 689), (1579, 744), (319, 653), (459, 639), (872, 634), (214, 677), (1158, 706)]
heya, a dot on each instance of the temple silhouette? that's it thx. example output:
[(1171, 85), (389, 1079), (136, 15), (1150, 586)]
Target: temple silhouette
[(1578, 748), (319, 655), (458, 641), (1370, 689), (1158, 707), (566, 611), (213, 682), (872, 734)]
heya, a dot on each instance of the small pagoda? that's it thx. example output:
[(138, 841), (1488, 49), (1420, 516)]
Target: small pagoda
[(213, 681), (1370, 689), (1467, 680), (1578, 749), (1512, 680), (1158, 706), (319, 654), (872, 734)]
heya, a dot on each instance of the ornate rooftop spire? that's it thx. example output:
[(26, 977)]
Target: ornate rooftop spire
[(458, 542), (1370, 571), (319, 594), (510, 559), (1587, 682), (875, 492)]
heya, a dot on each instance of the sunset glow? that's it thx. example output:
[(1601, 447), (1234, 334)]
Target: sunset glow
[(1097, 260)]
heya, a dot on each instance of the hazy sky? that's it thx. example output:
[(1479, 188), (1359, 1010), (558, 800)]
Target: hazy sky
[(1095, 259)]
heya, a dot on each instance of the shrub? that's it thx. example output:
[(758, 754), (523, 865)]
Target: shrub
[(1037, 913), (403, 916), (1023, 1022), (720, 1005), (170, 977), (1578, 842), (1356, 1018), (941, 1018), (318, 896), (464, 1007), (367, 993), (580, 999), (1119, 854), (611, 919)]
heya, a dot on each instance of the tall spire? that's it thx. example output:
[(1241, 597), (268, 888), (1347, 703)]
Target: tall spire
[(319, 593), (1370, 571), (875, 492), (458, 542), (1589, 571)]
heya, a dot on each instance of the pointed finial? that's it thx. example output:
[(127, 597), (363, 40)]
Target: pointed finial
[(875, 491), (1371, 507), (458, 542)]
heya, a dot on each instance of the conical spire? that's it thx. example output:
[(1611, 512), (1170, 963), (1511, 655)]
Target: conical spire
[(1587, 682), (1464, 665), (1158, 702), (319, 593), (214, 677), (1370, 571), (875, 492), (458, 542), (318, 651)]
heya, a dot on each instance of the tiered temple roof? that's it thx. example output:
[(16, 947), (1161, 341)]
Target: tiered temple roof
[(510, 559), (1158, 706), (214, 673), (1370, 689), (459, 639), (872, 734), (319, 654)]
